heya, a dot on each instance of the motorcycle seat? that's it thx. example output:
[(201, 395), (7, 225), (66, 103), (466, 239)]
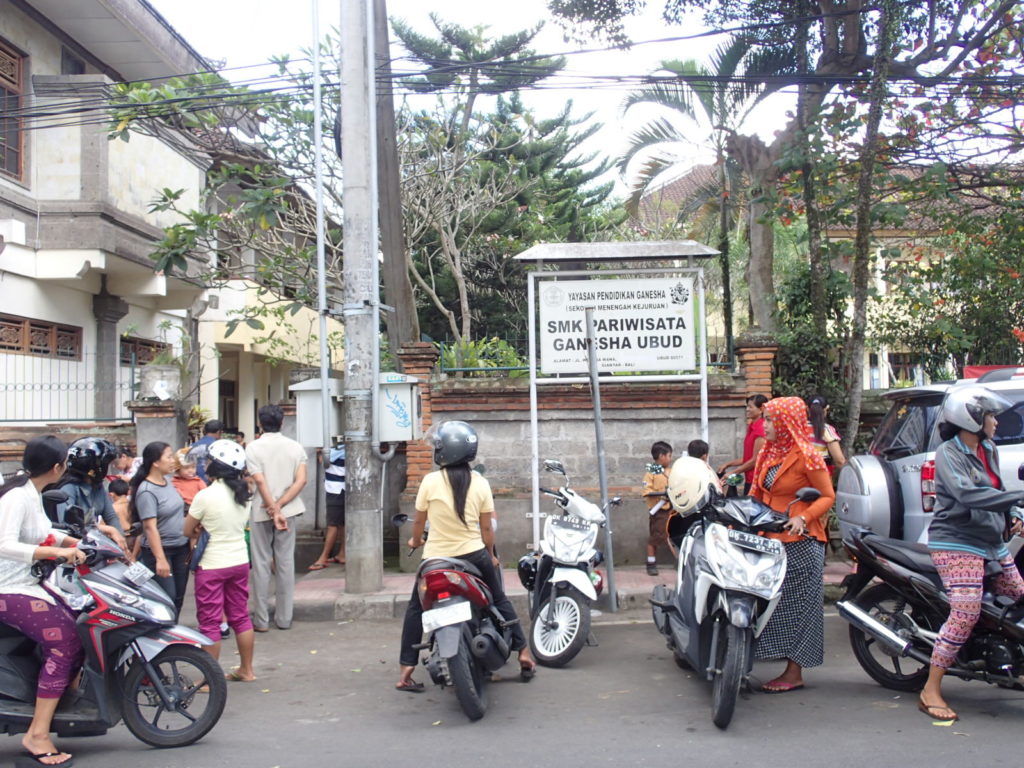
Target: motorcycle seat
[(449, 564), (916, 557), (7, 631)]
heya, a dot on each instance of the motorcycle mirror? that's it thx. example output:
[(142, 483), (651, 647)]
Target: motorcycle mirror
[(399, 519), (1020, 472), (480, 469), (57, 496), (615, 501), (75, 517), (808, 494), (550, 465)]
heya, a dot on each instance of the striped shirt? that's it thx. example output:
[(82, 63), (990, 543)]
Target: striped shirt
[(334, 474)]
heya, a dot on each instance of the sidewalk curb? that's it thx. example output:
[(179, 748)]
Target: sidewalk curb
[(320, 595)]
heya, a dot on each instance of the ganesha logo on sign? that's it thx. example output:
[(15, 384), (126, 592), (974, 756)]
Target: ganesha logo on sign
[(639, 325)]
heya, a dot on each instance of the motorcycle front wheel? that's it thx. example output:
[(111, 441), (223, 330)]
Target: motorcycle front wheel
[(733, 651), (194, 681), (468, 681), (886, 668), (556, 642)]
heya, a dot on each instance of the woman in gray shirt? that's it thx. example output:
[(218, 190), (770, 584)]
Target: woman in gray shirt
[(157, 504)]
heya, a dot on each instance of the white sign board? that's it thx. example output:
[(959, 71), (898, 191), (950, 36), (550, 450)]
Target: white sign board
[(639, 325)]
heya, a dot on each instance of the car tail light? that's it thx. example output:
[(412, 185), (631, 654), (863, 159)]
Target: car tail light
[(928, 486)]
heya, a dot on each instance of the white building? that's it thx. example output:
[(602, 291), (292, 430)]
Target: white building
[(80, 303)]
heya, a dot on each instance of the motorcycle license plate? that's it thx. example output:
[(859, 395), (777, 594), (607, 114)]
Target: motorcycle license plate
[(755, 542), (447, 614), (138, 574), (570, 522)]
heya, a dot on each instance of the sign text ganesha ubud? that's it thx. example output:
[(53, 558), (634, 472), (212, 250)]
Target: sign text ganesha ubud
[(639, 325)]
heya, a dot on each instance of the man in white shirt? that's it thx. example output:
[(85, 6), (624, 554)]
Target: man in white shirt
[(278, 466)]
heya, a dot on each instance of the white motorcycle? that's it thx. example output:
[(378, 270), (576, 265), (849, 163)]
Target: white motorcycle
[(561, 578), (728, 584)]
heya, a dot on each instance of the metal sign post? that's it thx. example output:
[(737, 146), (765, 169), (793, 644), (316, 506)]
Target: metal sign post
[(602, 469)]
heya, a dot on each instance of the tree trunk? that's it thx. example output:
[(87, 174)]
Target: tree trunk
[(762, 264), (862, 240), (815, 257), (757, 163), (723, 247), (402, 323)]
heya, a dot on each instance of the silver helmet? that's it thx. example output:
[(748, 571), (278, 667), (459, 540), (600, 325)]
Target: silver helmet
[(965, 407)]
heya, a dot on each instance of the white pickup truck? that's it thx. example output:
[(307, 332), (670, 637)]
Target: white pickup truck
[(891, 488)]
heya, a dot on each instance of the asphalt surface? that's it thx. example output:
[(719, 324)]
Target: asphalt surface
[(325, 697)]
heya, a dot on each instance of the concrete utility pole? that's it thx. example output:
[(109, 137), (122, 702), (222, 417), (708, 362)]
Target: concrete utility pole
[(363, 529)]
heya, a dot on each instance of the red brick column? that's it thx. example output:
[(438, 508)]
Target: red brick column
[(418, 359), (757, 358)]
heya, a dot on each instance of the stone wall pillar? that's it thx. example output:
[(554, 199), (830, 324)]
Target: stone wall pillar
[(418, 359), (165, 422), (755, 351), (108, 310)]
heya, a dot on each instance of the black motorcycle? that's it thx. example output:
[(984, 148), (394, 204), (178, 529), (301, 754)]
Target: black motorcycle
[(895, 622)]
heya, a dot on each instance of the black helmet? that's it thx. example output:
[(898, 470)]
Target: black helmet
[(90, 456), (527, 568), (454, 443)]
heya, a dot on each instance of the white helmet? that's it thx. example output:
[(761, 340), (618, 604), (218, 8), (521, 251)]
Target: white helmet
[(688, 484), (965, 407), (228, 453)]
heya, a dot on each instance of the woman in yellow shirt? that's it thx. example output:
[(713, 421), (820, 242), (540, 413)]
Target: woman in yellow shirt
[(459, 506)]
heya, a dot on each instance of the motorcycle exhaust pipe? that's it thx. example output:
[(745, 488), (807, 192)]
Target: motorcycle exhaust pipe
[(864, 622), (486, 650)]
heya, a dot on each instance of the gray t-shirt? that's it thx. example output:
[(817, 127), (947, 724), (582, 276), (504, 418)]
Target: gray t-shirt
[(164, 503)]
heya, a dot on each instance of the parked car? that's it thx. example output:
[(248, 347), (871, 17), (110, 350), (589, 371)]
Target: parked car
[(891, 488)]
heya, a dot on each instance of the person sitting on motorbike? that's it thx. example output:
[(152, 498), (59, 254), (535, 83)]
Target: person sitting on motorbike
[(970, 525), (26, 535), (88, 460), (458, 504), (789, 462)]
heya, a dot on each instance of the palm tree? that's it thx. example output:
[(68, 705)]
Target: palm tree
[(718, 97)]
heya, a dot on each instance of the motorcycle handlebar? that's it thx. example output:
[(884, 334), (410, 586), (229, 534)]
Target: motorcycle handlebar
[(550, 492)]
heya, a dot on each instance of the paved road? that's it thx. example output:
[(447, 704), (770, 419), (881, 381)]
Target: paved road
[(324, 697)]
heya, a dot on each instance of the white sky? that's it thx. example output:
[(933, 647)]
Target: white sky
[(248, 32)]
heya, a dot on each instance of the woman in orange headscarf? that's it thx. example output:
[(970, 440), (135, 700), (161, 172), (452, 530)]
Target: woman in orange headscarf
[(789, 462)]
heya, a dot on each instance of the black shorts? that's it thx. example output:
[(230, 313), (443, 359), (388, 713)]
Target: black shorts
[(336, 509)]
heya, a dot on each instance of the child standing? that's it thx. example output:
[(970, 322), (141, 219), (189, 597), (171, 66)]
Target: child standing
[(186, 479), (117, 489), (699, 449), (655, 487)]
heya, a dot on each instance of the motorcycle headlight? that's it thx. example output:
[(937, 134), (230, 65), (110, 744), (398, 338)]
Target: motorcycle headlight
[(734, 568), (158, 611)]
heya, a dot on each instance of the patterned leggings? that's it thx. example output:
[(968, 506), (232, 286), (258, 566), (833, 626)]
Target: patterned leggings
[(962, 575), (53, 627)]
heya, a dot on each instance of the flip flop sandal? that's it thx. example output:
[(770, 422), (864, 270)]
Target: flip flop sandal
[(335, 560), (318, 566), (39, 758), (930, 712), (410, 686), (527, 672), (777, 686), (234, 677)]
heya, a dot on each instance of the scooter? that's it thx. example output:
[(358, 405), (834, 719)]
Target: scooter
[(728, 583), (562, 578), (140, 665), (468, 639)]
